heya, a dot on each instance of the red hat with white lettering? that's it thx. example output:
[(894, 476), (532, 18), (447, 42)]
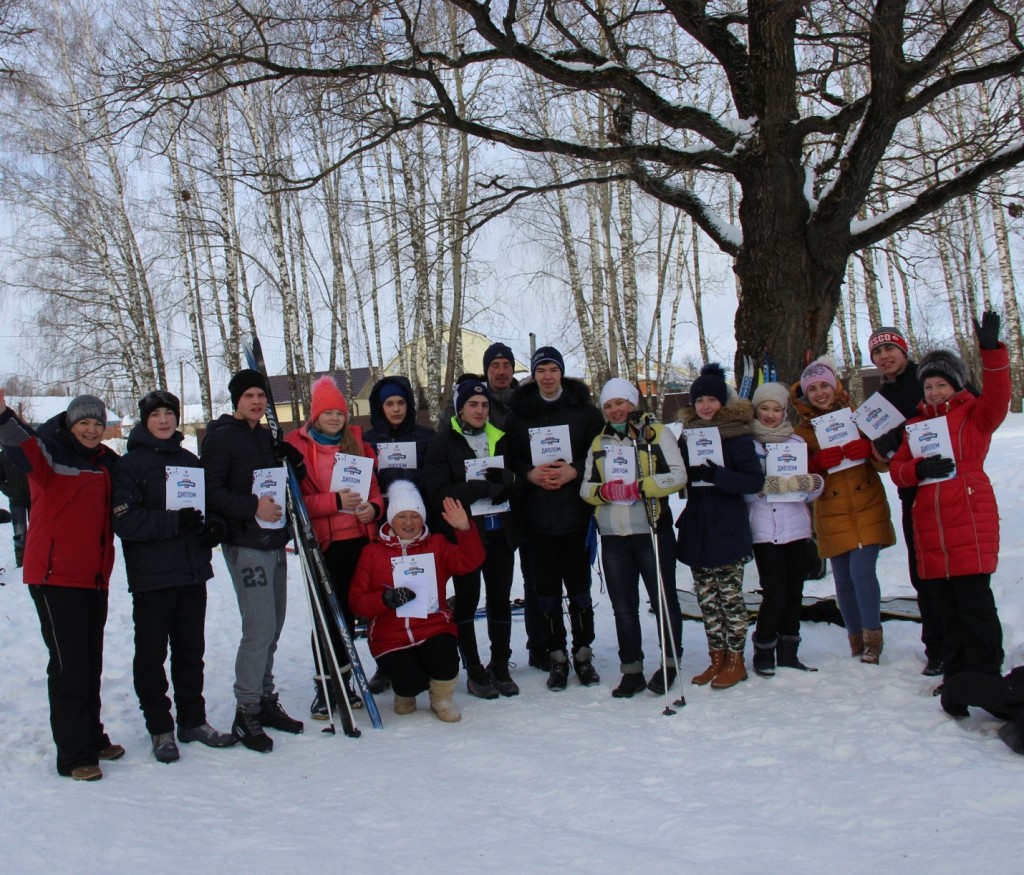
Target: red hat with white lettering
[(881, 336)]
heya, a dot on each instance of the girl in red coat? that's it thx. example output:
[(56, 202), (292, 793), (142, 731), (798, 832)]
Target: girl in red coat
[(956, 522), (416, 653), (342, 520)]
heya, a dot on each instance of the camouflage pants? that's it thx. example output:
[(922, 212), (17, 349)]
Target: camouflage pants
[(720, 595)]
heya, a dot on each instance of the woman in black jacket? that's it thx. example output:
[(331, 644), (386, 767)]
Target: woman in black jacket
[(167, 559)]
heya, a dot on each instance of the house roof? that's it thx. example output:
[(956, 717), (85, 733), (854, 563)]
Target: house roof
[(350, 384)]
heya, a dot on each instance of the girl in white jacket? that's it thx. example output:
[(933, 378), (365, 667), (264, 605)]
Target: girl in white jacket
[(780, 530)]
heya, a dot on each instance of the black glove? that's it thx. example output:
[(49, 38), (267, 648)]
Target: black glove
[(987, 330), (703, 473), (5, 516), (500, 477), (190, 519), (212, 534), (497, 493), (286, 452), (934, 466), (889, 443), (397, 596)]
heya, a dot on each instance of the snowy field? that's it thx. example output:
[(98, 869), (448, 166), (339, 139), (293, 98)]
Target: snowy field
[(852, 769)]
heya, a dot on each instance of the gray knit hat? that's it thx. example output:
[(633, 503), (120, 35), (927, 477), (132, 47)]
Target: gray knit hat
[(945, 364), (85, 407)]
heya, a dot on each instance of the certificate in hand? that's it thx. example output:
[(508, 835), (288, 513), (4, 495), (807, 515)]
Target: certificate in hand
[(272, 482), (620, 464), (784, 459), (550, 443), (876, 416), (475, 469), (931, 438), (352, 472), (400, 454), (834, 429), (417, 573), (186, 487), (703, 445)]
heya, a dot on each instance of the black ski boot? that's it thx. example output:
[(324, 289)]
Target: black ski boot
[(355, 700), (248, 729), (583, 664), (661, 681), (558, 678), (274, 716), (478, 682), (764, 656), (632, 683), (318, 708), (786, 653)]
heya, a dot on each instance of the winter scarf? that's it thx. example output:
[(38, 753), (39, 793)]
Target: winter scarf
[(776, 435)]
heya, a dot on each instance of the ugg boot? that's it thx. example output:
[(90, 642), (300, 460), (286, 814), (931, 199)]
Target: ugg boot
[(787, 650), (872, 646), (441, 702), (709, 674), (404, 704), (764, 656), (732, 672), (856, 644)]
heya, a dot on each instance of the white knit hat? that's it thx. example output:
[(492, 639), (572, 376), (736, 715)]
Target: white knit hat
[(616, 387), (777, 392), (403, 495)]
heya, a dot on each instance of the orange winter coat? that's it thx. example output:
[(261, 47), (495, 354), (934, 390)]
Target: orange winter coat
[(852, 510)]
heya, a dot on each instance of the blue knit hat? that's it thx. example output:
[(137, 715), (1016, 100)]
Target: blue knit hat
[(468, 389)]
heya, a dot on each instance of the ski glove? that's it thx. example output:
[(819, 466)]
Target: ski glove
[(824, 459), (857, 449), (212, 534), (189, 519), (5, 516), (616, 490), (496, 493), (397, 596), (804, 482), (291, 454), (889, 443), (987, 330), (500, 477), (774, 485), (703, 473), (934, 466)]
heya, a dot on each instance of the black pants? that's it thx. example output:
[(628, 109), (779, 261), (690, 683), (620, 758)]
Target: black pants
[(176, 616), (781, 568), (533, 619), (932, 622), (497, 572), (341, 558), (412, 668), (558, 559), (72, 622), (1003, 697), (972, 636)]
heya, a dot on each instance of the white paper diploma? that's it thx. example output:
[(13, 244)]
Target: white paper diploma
[(835, 429), (931, 438), (418, 574), (475, 469), (272, 482), (620, 464), (703, 445), (401, 454), (186, 487), (549, 444), (352, 472), (785, 459), (877, 416)]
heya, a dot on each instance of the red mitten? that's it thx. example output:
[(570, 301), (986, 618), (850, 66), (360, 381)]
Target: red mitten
[(858, 449), (616, 490), (822, 460)]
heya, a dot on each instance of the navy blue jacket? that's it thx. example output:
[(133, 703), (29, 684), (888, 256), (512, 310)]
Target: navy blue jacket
[(156, 554), (408, 431)]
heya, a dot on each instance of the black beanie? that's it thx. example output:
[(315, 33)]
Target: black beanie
[(497, 351), (710, 382), (157, 399), (468, 389), (242, 382), (544, 355)]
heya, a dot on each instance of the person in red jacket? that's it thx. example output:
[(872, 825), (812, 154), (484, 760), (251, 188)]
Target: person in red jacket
[(69, 555), (417, 652), (342, 519), (956, 521)]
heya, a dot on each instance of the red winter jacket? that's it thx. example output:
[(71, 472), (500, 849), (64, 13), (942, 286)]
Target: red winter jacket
[(956, 522), (387, 630), (70, 541), (329, 523)]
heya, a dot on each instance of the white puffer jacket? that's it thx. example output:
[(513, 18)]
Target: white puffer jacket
[(779, 522)]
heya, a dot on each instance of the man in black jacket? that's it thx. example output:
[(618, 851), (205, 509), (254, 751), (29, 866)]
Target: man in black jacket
[(901, 388), (555, 519), (14, 484)]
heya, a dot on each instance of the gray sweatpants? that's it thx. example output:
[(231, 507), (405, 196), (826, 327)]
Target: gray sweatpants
[(261, 586)]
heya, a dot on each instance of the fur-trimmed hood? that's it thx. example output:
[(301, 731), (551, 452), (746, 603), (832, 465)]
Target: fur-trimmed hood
[(527, 402), (732, 420)]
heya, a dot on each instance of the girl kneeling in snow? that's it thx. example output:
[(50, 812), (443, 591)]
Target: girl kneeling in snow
[(416, 653)]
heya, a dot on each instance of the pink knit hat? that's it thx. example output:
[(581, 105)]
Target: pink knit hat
[(821, 370)]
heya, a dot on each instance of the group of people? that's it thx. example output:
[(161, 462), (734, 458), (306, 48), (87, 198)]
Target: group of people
[(530, 468)]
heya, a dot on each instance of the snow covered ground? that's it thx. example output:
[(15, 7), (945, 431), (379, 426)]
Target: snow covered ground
[(852, 769)]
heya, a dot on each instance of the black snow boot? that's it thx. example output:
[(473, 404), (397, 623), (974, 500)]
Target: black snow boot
[(558, 677), (479, 684), (632, 683), (764, 655), (583, 663), (378, 683), (1012, 734), (318, 707), (786, 653), (657, 684), (501, 678), (274, 716), (248, 729)]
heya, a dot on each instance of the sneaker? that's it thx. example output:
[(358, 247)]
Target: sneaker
[(318, 708), (87, 773), (274, 716), (558, 677), (583, 664), (111, 752), (540, 659), (632, 683), (479, 684), (934, 668), (164, 748), (205, 734), (248, 730), (378, 683), (657, 683), (501, 678)]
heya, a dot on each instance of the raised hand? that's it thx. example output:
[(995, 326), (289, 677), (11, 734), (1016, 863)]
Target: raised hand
[(455, 514)]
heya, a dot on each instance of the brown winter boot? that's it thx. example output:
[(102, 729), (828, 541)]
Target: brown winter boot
[(732, 673), (872, 646), (404, 704), (708, 675), (441, 702), (857, 644)]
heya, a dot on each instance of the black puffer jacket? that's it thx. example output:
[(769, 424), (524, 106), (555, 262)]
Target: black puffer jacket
[(231, 451), (13, 482), (156, 554), (383, 431), (553, 512)]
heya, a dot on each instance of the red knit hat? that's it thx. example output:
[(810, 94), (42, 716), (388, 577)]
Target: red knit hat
[(327, 396)]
